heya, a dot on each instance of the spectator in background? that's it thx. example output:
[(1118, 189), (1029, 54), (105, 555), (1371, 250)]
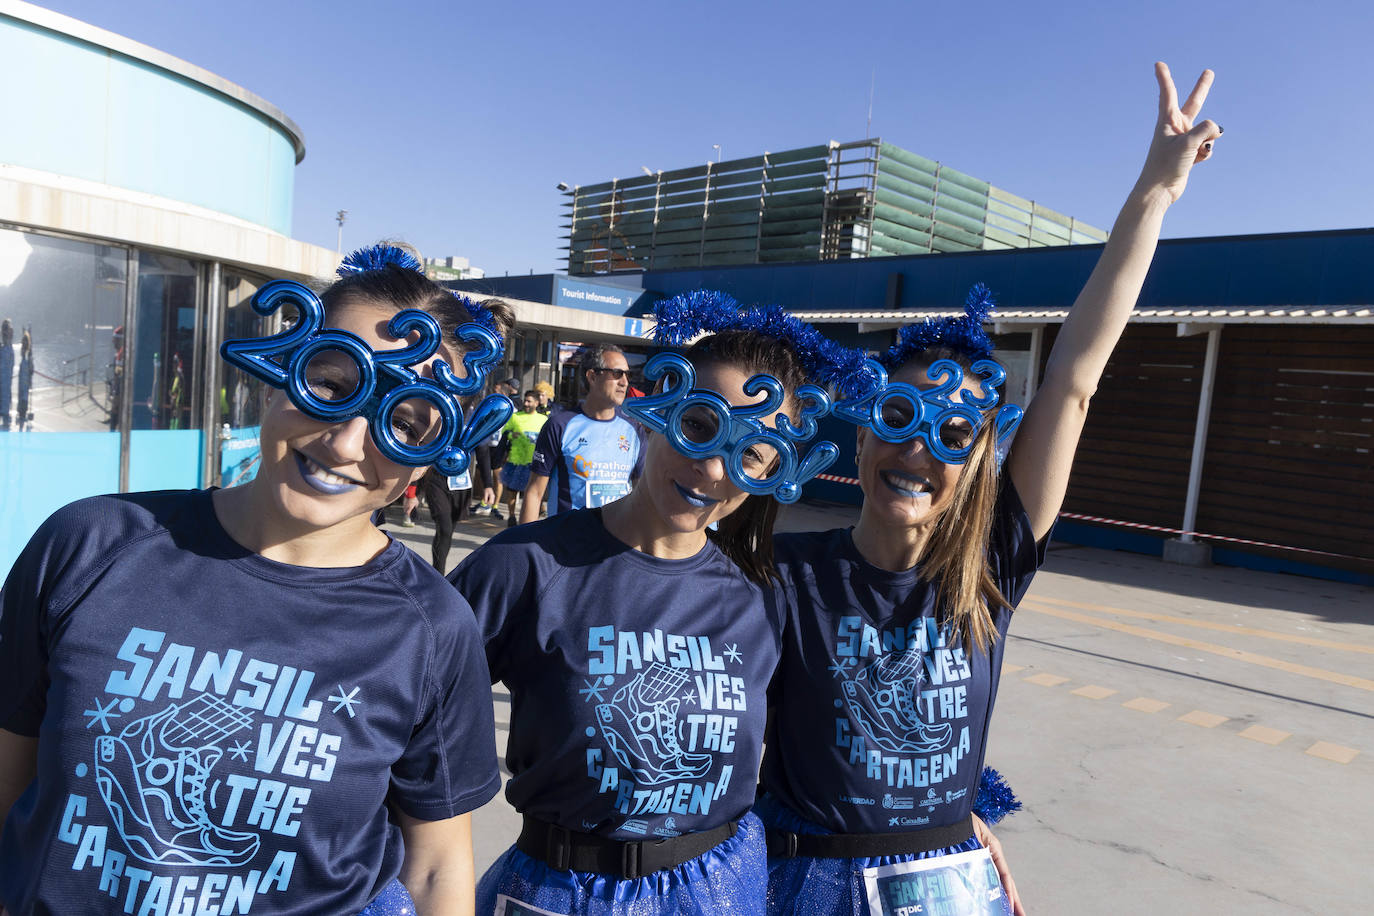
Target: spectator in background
[(409, 503), (591, 454), (545, 392), (24, 416), (6, 370), (448, 497), (488, 462), (522, 430)]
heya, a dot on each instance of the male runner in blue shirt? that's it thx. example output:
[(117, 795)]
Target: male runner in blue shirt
[(591, 454)]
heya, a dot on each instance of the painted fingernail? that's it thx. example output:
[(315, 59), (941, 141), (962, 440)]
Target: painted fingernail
[(1220, 129)]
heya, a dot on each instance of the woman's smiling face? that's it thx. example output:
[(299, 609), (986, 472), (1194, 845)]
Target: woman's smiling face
[(904, 485), (691, 493), (322, 473)]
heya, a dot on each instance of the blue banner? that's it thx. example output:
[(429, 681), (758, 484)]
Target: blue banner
[(596, 297)]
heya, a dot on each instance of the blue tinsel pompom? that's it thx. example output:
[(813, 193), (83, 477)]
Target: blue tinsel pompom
[(995, 799), (479, 313), (964, 335), (377, 257), (683, 317)]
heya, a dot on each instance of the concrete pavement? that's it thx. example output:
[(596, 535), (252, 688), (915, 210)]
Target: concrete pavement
[(1184, 740)]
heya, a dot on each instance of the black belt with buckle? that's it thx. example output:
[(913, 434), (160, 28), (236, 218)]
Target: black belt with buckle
[(787, 845), (565, 849)]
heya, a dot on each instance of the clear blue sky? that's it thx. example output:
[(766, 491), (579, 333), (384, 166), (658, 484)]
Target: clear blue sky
[(449, 124)]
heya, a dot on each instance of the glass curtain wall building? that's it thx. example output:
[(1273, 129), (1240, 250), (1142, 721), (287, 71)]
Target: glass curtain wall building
[(860, 199), (142, 203)]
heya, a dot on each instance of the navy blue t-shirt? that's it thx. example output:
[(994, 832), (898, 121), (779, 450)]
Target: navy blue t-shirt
[(589, 462), (638, 685), (219, 728), (881, 714)]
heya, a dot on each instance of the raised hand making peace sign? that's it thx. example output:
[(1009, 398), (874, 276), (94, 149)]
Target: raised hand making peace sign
[(1180, 140)]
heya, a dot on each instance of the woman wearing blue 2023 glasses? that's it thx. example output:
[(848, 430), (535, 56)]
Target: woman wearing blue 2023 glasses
[(253, 698), (894, 642)]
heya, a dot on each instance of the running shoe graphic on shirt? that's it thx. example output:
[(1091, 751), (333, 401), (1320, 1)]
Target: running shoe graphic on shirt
[(881, 700), (153, 777), (641, 726)]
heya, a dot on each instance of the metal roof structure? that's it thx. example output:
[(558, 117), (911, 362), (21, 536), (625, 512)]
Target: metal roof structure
[(832, 201)]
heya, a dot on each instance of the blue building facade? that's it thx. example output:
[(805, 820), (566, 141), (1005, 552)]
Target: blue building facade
[(1237, 411)]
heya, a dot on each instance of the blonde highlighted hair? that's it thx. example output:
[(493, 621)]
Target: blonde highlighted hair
[(956, 556)]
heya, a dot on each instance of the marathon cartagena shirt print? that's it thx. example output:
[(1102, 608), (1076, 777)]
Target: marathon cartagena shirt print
[(882, 712), (638, 684), (590, 462)]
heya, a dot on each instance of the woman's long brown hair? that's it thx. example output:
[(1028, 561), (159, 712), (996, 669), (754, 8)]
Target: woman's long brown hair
[(956, 556)]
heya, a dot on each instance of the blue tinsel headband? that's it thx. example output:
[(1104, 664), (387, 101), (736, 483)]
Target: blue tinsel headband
[(941, 415), (963, 335), (382, 256), (738, 431), (683, 317), (378, 257)]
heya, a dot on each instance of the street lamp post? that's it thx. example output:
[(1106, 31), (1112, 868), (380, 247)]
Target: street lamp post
[(341, 216)]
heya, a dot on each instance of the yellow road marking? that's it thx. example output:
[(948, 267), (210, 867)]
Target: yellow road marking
[(1202, 719), (1145, 704), (1204, 624), (1093, 692), (1334, 752), (1009, 668), (1240, 655), (1265, 735), (1046, 679)]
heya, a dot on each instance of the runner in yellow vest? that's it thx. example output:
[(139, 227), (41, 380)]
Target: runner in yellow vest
[(523, 429)]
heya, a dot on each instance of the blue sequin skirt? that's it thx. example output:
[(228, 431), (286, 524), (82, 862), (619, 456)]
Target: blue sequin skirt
[(728, 880), (394, 900), (804, 886)]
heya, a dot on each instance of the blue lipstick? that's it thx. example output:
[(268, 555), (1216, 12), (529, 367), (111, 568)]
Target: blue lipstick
[(694, 499), (894, 480), (308, 473)]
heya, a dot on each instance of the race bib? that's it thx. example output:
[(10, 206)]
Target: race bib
[(602, 492), (461, 481), (965, 883), (509, 906)]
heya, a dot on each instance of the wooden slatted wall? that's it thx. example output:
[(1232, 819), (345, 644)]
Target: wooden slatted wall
[(1132, 462), (1290, 448)]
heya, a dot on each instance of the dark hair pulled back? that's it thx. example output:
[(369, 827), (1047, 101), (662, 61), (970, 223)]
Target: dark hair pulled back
[(404, 288), (746, 535)]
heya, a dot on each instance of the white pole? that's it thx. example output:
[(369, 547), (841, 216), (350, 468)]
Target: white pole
[(1037, 342), (1204, 415)]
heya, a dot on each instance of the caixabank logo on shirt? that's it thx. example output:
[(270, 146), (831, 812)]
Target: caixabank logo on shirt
[(202, 766), (901, 704), (666, 709)]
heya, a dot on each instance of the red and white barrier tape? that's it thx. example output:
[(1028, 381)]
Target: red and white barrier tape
[(1160, 528), (1210, 537)]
